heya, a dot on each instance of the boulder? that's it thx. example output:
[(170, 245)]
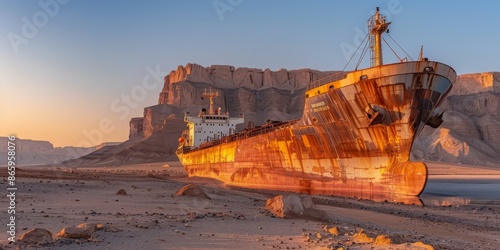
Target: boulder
[(193, 191), (37, 236), (293, 206), (99, 226), (383, 240), (361, 237), (82, 231), (332, 230), (422, 245), (121, 192)]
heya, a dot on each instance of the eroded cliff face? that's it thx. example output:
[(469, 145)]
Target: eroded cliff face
[(226, 76), (229, 77)]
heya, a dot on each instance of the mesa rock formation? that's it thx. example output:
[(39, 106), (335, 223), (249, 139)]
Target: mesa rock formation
[(470, 133)]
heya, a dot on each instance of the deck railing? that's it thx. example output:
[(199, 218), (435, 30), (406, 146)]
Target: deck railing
[(266, 128), (331, 78)]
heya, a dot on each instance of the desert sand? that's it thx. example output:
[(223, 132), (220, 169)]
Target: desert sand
[(151, 216)]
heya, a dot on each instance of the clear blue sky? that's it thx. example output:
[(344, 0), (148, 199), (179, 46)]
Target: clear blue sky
[(64, 78)]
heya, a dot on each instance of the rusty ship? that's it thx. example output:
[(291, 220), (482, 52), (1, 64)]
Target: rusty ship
[(353, 139)]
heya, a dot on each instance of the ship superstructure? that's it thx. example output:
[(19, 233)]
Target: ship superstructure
[(353, 139), (209, 126)]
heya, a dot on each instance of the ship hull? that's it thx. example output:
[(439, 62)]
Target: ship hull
[(354, 138)]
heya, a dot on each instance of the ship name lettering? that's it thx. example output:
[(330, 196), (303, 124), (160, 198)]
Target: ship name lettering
[(324, 108), (318, 104)]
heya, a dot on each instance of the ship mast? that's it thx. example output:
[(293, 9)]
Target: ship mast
[(211, 94), (377, 25)]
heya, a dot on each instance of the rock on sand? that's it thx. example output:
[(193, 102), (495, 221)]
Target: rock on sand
[(82, 231), (193, 191), (121, 192), (292, 206), (37, 236)]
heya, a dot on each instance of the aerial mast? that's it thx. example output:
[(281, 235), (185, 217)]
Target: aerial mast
[(377, 25), (211, 94)]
